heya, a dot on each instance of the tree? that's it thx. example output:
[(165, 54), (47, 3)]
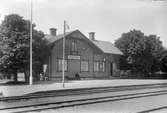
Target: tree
[(14, 46), (141, 52), (154, 44), (40, 52), (164, 63)]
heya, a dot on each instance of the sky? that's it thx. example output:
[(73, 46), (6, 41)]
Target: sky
[(107, 18)]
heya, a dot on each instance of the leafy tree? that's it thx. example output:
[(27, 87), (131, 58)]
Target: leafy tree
[(141, 53), (164, 63), (14, 46), (156, 50), (40, 52)]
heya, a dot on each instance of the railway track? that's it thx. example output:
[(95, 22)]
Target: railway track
[(84, 101), (79, 102), (154, 110)]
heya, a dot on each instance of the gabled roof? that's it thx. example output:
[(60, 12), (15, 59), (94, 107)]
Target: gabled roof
[(107, 47), (104, 46), (52, 39)]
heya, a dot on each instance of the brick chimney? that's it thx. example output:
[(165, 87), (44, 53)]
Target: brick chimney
[(92, 35), (53, 31)]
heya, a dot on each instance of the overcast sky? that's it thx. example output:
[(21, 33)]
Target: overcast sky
[(107, 18)]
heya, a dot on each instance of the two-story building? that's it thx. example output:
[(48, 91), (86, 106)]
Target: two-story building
[(88, 57)]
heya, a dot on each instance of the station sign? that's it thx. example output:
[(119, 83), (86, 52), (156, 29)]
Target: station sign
[(74, 57)]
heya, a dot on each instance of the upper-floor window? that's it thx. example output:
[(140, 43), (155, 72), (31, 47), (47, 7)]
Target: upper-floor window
[(74, 47)]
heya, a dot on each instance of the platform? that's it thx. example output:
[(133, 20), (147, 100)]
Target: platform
[(19, 90)]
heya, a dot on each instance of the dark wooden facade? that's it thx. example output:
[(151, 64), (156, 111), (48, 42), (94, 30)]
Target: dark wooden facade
[(81, 57)]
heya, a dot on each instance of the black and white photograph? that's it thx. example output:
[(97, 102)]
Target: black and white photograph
[(83, 56)]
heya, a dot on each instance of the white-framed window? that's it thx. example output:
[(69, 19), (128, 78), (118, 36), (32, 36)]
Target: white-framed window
[(96, 66), (99, 66), (60, 65), (84, 66), (102, 66), (74, 47)]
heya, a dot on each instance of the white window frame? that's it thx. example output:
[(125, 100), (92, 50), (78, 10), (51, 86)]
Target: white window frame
[(84, 66), (60, 65), (99, 66), (96, 66)]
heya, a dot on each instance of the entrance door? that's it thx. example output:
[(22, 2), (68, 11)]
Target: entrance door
[(73, 66), (111, 68)]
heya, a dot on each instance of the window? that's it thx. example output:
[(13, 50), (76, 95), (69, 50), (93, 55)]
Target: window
[(60, 65), (84, 66), (99, 66), (96, 66), (102, 67), (74, 47)]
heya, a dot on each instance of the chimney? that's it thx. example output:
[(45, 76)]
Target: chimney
[(92, 35), (53, 31)]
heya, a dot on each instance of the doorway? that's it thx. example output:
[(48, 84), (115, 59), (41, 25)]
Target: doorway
[(73, 67), (111, 68)]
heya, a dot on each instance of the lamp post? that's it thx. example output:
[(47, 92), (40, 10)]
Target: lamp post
[(63, 66), (65, 26), (31, 77)]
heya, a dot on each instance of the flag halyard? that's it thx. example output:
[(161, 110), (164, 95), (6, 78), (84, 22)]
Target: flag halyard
[(67, 26)]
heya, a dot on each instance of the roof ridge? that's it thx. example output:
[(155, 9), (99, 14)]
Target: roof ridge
[(103, 41), (66, 32), (107, 47)]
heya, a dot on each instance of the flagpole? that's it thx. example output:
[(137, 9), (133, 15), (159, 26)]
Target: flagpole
[(31, 78), (63, 66)]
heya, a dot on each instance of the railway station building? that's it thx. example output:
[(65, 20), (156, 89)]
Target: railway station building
[(85, 56)]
